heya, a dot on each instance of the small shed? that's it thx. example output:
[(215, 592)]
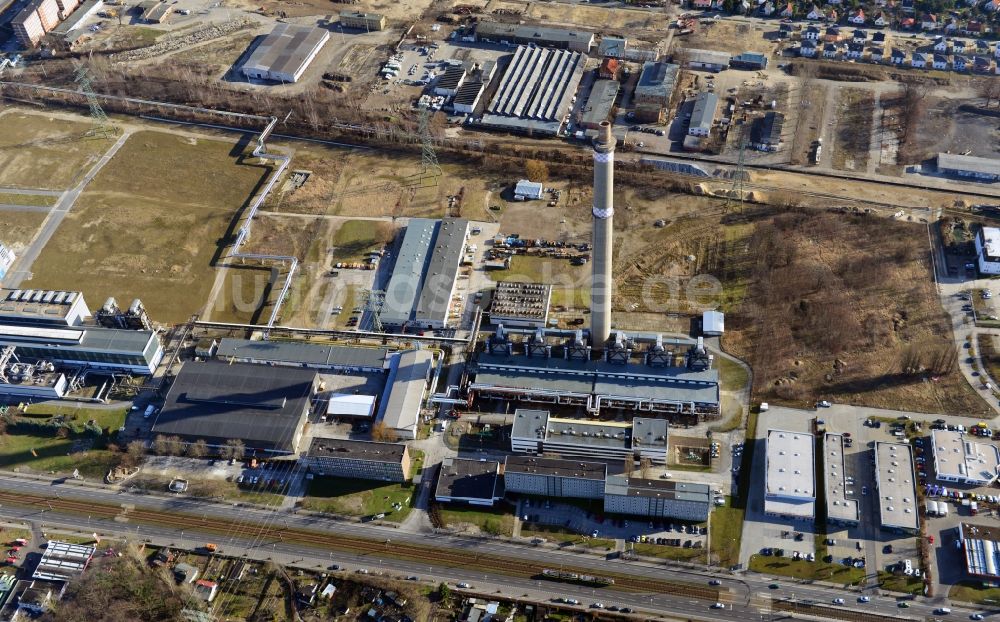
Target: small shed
[(350, 405), (712, 323), (527, 190)]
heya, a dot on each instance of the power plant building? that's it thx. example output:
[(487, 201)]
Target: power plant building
[(602, 213), (334, 457), (362, 21), (285, 53), (537, 90), (519, 304), (536, 432), (312, 356), (35, 19), (515, 34), (554, 478)]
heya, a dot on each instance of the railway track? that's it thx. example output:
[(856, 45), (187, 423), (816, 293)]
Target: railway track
[(835, 613), (450, 558)]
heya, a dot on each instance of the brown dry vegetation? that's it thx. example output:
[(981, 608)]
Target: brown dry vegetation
[(843, 307)]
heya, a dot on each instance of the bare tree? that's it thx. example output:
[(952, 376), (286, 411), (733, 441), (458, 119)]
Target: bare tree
[(135, 454), (161, 445), (198, 449), (383, 433), (236, 449), (536, 170)]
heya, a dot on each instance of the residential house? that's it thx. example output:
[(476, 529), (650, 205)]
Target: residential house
[(897, 56), (996, 51), (960, 63), (812, 34), (833, 16), (815, 14), (941, 45), (857, 18), (807, 49), (767, 9), (788, 11), (951, 25), (854, 51), (206, 590), (836, 2), (610, 69), (859, 35), (959, 47), (879, 38), (929, 21), (973, 27), (832, 34), (830, 50), (981, 64), (918, 60), (992, 6), (701, 4), (880, 20), (939, 61), (907, 23), (982, 46), (906, 6), (876, 54), (785, 31)]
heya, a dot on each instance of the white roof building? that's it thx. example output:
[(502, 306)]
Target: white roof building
[(988, 250), (7, 258), (528, 190), (964, 459), (790, 483), (713, 323), (405, 392), (897, 490), (841, 505), (350, 405)]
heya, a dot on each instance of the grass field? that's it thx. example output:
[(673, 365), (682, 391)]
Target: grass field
[(972, 592), (726, 530), (48, 153), (355, 497), (36, 200), (150, 224), (496, 521), (902, 583), (677, 553), (17, 229), (802, 569), (355, 238), (562, 537), (570, 284)]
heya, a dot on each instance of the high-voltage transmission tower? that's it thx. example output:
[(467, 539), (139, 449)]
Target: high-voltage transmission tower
[(374, 302), (430, 169), (735, 195), (103, 128)]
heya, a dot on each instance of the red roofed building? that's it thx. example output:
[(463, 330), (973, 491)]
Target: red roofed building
[(610, 69)]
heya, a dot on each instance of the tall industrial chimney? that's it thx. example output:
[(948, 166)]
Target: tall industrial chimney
[(603, 211)]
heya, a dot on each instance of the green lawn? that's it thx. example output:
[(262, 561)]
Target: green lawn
[(356, 497), (570, 287), (726, 530), (902, 583), (498, 521), (109, 418), (801, 569), (973, 592), (416, 462), (732, 375), (355, 238), (566, 538), (679, 553)]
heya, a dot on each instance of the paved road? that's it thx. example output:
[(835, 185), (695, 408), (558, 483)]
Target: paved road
[(22, 267), (744, 593)]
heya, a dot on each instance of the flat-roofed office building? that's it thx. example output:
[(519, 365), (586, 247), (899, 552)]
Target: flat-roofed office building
[(841, 504), (335, 457), (897, 490), (964, 459), (657, 498), (790, 481), (552, 477)]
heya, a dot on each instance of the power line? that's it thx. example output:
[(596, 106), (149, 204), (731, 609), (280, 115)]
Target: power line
[(103, 127), (739, 176), (430, 169), (374, 303)]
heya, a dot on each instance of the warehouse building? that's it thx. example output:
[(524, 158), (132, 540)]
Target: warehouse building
[(467, 97), (981, 549), (600, 103), (657, 498), (554, 478), (527, 190), (453, 77), (968, 167), (423, 278), (963, 459), (74, 21), (350, 406), (34, 20), (438, 287), (988, 250), (841, 505), (405, 392), (706, 60), (703, 114), (536, 432), (63, 561), (308, 355), (154, 11), (654, 91), (790, 481), (285, 53), (897, 490), (749, 60), (765, 132), (670, 391), (537, 90), (334, 457), (475, 482), (524, 305), (263, 406), (515, 34), (362, 21)]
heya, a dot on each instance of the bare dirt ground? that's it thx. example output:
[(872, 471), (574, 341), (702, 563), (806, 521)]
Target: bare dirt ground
[(727, 36), (47, 153), (624, 21), (843, 308), (17, 229), (396, 11), (854, 127), (942, 127)]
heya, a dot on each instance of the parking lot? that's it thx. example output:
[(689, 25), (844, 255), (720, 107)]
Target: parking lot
[(632, 529)]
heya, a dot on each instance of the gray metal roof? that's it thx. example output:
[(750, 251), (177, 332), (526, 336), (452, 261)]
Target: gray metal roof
[(972, 164), (407, 273), (666, 489), (561, 383), (536, 34), (469, 92), (575, 469), (704, 110), (286, 49), (517, 300), (451, 78), (307, 354), (601, 101), (463, 478), (261, 405), (357, 450), (707, 57), (656, 80), (530, 423), (407, 386), (838, 506), (442, 271)]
